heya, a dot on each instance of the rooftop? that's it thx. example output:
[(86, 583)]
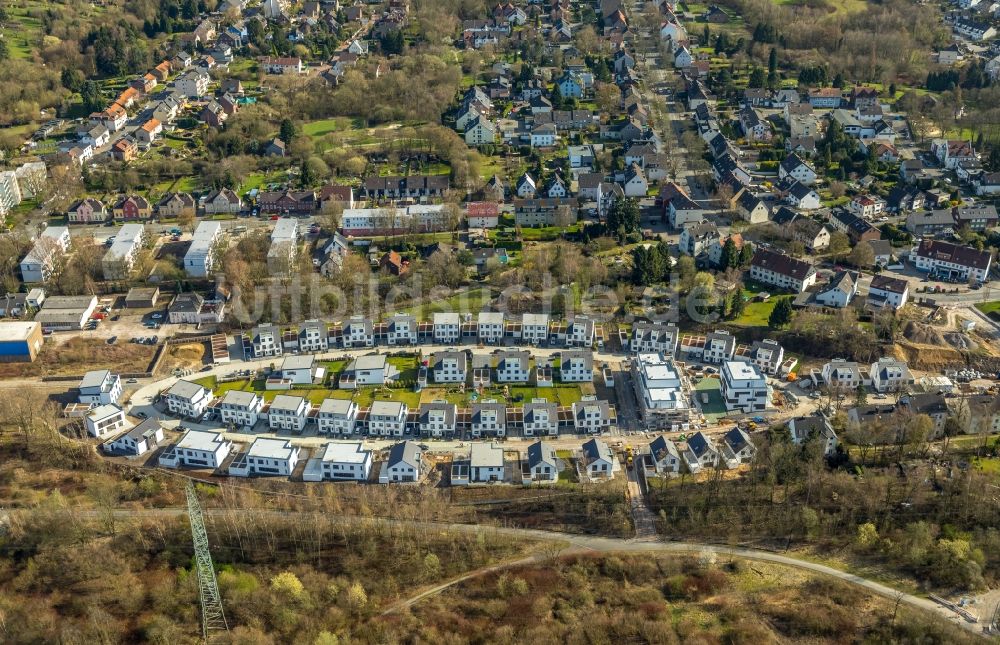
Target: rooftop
[(200, 440), (351, 453), (16, 331), (272, 449)]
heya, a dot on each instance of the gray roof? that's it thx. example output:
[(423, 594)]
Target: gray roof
[(239, 397), (737, 439), (341, 407), (661, 447), (486, 455), (802, 428), (94, 378), (297, 362), (405, 452), (386, 408), (184, 389), (541, 452), (699, 444), (596, 449), (286, 403)]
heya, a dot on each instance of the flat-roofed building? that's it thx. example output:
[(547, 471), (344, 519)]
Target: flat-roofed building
[(20, 342), (744, 387), (100, 387), (63, 313), (197, 449), (269, 457), (104, 420), (200, 257), (120, 258), (661, 390), (338, 461)]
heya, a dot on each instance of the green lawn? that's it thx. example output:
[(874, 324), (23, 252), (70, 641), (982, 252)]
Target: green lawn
[(517, 395), (988, 307), (715, 409), (988, 465), (325, 126), (363, 396), (756, 313), (471, 301)]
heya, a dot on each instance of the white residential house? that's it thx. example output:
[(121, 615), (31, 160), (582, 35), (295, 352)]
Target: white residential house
[(513, 366), (799, 170), (358, 332), (744, 387), (767, 354), (187, 399), (313, 336), (449, 367), (814, 428), (491, 327), (737, 448), (839, 291), (576, 366), (886, 291), (541, 418), (654, 337), (535, 328), (635, 183), (240, 408), (486, 463), (845, 375), (372, 369), (592, 416), (137, 441), (782, 271), (543, 136), (447, 328), (197, 449), (105, 419), (404, 464), (288, 412), (299, 370), (337, 416), (598, 461), (666, 456), (340, 462), (488, 419), (266, 341), (889, 375), (543, 465), (949, 260), (402, 330), (275, 457), (438, 419), (580, 331), (719, 346), (387, 418), (39, 263), (200, 257), (100, 387), (700, 453)]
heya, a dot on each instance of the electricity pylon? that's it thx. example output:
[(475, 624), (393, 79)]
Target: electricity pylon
[(212, 617)]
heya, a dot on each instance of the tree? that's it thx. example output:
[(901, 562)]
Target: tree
[(746, 255), (862, 255), (288, 585), (860, 396), (839, 243), (623, 217), (287, 131), (72, 79), (781, 315), (756, 78), (93, 99), (730, 254), (737, 304)]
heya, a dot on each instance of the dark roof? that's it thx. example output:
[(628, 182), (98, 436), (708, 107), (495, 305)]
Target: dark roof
[(405, 452), (791, 162), (699, 444), (948, 252), (928, 403), (737, 439), (783, 264)]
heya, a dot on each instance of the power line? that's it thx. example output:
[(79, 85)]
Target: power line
[(212, 616)]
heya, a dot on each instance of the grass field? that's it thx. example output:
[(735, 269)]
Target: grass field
[(988, 307), (363, 396), (471, 301), (517, 395), (326, 126), (756, 314)]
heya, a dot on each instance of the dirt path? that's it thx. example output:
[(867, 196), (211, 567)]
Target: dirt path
[(584, 543)]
